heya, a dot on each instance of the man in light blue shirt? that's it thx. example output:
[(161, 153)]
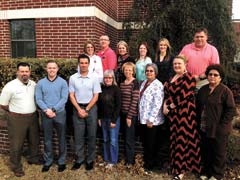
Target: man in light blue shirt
[(83, 91), (51, 96)]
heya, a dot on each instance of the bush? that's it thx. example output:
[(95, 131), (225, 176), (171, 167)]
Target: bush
[(8, 69)]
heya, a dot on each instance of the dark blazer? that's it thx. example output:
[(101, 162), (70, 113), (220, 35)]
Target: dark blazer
[(219, 108)]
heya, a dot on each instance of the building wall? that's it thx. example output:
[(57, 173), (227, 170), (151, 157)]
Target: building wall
[(236, 26), (4, 39), (63, 26)]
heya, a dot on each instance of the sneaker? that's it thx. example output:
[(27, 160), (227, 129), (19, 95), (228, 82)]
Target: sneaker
[(109, 166), (203, 177), (213, 178), (147, 172), (102, 164)]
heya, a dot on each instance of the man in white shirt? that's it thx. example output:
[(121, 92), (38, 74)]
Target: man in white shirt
[(17, 99)]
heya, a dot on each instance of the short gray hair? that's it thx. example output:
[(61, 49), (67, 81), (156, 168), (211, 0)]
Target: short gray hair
[(110, 72), (154, 66)]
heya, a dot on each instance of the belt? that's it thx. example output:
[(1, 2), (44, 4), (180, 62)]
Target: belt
[(83, 105), (19, 114)]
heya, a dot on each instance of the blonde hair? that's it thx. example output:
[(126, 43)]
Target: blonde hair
[(131, 65), (183, 57), (169, 49), (124, 44)]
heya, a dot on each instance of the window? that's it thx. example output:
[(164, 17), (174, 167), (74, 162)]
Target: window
[(23, 38)]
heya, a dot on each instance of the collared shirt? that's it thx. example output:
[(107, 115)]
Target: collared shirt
[(19, 97), (200, 59), (84, 87), (150, 104), (109, 59), (52, 94)]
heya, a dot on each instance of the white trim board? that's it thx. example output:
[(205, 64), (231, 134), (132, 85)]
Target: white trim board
[(87, 11)]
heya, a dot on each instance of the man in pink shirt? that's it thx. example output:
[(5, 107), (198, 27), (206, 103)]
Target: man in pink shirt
[(108, 56), (200, 54)]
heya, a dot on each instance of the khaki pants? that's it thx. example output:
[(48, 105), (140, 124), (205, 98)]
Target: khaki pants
[(20, 127)]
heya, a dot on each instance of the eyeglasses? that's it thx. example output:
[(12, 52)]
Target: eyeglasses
[(149, 71), (213, 74)]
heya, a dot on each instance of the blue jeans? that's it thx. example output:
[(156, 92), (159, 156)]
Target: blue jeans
[(110, 140), (59, 123), (81, 125)]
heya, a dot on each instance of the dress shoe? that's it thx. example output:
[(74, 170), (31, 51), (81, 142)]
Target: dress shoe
[(61, 167), (89, 166), (46, 168), (19, 173), (76, 166)]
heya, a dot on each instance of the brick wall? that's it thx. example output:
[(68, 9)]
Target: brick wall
[(124, 7), (19, 4), (110, 7), (64, 37), (236, 26), (4, 39)]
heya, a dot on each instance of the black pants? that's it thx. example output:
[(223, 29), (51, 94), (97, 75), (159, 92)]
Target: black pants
[(213, 151), (129, 137), (150, 145)]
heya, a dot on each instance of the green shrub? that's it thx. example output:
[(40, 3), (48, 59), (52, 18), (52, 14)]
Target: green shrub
[(8, 69)]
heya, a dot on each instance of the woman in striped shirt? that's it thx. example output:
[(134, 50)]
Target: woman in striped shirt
[(129, 110)]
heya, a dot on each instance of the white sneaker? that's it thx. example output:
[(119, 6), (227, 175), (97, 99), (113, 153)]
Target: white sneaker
[(102, 164), (203, 177), (109, 166), (213, 178)]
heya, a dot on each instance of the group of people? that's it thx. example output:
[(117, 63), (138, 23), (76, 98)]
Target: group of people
[(179, 103)]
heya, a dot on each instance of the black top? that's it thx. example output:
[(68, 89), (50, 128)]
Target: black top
[(165, 69), (120, 61), (109, 102)]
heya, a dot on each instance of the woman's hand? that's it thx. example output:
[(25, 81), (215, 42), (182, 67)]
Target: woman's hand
[(112, 125), (99, 122), (129, 122), (165, 109), (149, 124)]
